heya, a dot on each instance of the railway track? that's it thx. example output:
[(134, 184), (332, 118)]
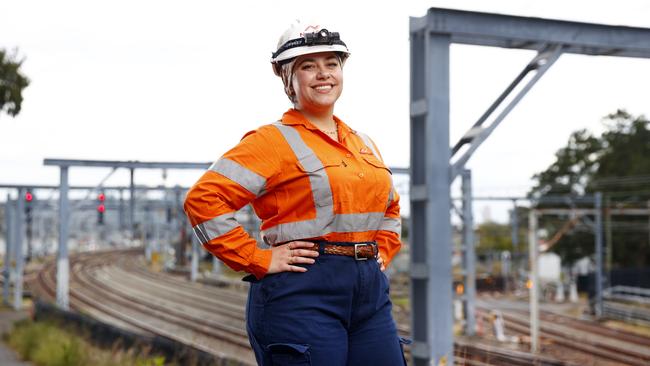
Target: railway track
[(112, 288), (115, 287), (582, 340)]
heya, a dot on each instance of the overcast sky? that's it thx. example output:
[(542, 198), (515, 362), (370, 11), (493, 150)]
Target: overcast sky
[(184, 80)]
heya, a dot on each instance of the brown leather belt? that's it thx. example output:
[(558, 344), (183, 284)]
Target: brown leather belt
[(360, 251)]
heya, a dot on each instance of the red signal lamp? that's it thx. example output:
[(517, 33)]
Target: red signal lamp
[(101, 197), (29, 197), (101, 208)]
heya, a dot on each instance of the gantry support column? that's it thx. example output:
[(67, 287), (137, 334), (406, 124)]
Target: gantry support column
[(194, 268), (431, 246), (514, 219), (62, 263), (9, 240), (19, 238), (533, 249), (469, 255), (598, 232), (132, 204)]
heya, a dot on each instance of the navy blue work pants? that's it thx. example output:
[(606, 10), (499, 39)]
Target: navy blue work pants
[(337, 313)]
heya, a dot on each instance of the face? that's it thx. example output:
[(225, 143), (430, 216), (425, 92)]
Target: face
[(317, 81)]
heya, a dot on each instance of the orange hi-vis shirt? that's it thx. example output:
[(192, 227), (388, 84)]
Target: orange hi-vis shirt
[(302, 185)]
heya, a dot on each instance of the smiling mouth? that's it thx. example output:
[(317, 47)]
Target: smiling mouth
[(323, 87)]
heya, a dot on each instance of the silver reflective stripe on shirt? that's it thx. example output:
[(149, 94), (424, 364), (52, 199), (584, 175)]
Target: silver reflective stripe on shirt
[(357, 222), (239, 174), (215, 227), (318, 179), (391, 224), (326, 221)]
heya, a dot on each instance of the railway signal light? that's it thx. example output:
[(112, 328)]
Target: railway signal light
[(460, 289), (101, 208), (29, 197)]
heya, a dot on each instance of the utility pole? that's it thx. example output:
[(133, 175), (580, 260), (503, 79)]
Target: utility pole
[(598, 232), (534, 281)]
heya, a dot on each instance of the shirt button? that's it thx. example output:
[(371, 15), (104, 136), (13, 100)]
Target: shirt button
[(348, 155), (360, 175)]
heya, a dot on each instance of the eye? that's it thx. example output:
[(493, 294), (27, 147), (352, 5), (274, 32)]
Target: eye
[(307, 66)]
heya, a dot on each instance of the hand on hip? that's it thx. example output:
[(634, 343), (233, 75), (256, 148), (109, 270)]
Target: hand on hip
[(286, 256)]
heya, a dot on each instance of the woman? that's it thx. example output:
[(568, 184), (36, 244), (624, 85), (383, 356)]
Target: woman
[(330, 216)]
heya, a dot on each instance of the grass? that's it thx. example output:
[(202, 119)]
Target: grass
[(49, 344), (400, 301), (632, 328)]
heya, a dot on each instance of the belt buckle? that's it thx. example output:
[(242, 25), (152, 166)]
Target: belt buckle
[(356, 252)]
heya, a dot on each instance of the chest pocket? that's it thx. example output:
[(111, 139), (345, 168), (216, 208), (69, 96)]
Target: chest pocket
[(382, 178), (319, 181)]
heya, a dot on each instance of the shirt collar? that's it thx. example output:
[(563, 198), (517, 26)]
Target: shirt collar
[(293, 117)]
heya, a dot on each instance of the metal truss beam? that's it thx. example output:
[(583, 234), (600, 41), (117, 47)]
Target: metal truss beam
[(125, 164), (477, 134), (149, 165), (85, 188), (498, 30)]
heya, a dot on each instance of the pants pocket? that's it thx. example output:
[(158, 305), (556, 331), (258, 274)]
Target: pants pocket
[(289, 354), (402, 342)]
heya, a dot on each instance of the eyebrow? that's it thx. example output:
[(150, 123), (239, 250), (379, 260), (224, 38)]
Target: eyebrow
[(314, 60)]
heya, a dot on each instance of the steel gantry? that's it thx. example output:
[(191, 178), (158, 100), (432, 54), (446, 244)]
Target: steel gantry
[(16, 227), (63, 266), (432, 167)]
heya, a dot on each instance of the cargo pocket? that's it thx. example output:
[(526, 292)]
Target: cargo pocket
[(289, 354), (404, 341)]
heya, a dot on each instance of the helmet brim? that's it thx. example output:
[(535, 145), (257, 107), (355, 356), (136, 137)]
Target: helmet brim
[(299, 51)]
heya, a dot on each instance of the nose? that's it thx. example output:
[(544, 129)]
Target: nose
[(323, 73)]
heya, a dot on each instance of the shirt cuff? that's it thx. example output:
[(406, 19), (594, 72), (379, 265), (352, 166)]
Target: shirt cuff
[(260, 262)]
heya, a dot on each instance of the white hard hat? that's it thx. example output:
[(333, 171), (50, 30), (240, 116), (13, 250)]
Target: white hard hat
[(303, 39)]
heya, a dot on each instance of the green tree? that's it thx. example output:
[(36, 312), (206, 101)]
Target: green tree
[(494, 237), (618, 164), (12, 83), (573, 168)]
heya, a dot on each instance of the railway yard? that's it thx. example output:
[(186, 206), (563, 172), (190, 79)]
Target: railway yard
[(119, 288)]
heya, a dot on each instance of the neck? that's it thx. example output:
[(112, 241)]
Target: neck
[(324, 120)]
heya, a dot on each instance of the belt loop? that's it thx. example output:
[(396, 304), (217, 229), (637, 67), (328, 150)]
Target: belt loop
[(321, 246)]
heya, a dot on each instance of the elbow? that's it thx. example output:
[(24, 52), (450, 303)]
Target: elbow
[(190, 205)]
